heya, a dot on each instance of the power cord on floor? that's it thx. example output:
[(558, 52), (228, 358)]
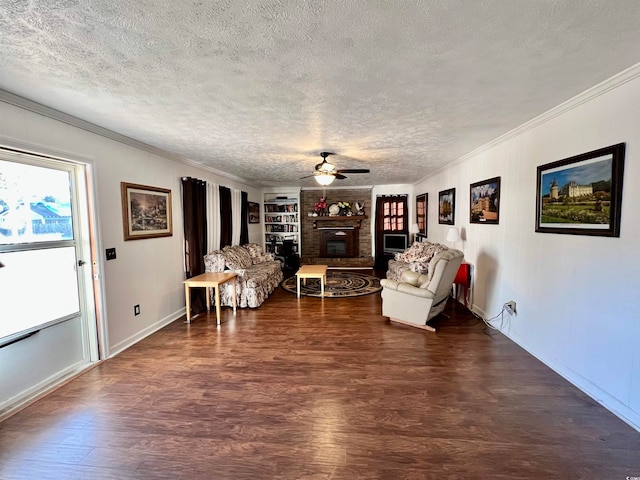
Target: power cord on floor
[(487, 321)]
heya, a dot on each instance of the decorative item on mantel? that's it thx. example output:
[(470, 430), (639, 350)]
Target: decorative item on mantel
[(320, 208), (345, 209)]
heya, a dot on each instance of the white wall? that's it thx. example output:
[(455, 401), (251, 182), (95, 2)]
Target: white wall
[(577, 296), (146, 272)]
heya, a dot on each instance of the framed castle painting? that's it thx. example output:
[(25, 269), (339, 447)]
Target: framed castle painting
[(446, 206), (485, 201), (581, 195)]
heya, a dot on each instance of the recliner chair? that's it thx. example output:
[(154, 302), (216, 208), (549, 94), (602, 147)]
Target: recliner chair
[(417, 298)]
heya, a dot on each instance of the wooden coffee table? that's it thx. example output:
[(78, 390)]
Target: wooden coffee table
[(208, 280), (312, 271)]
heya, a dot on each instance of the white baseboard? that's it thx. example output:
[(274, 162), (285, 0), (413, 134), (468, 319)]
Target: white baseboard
[(133, 339), (619, 409), (14, 404)]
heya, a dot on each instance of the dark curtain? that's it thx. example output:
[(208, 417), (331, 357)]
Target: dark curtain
[(244, 227), (381, 260), (225, 217), (194, 205)]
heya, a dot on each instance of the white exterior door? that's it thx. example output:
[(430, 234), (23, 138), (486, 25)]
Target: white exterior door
[(47, 312)]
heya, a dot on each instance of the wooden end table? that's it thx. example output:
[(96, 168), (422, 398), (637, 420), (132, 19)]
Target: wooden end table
[(312, 271), (208, 280)]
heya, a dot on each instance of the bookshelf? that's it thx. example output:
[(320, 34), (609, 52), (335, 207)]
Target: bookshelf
[(281, 221)]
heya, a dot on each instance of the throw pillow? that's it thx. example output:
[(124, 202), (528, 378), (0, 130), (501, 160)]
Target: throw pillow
[(236, 257), (413, 253), (214, 261), (256, 253)]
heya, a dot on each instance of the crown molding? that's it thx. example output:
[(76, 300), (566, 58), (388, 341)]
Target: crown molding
[(40, 109), (611, 83)]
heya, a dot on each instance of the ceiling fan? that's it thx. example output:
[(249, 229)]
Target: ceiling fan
[(327, 172)]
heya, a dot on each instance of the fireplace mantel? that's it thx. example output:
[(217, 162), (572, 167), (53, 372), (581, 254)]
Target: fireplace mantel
[(340, 219)]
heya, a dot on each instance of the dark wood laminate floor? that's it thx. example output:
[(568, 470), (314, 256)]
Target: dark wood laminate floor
[(319, 389)]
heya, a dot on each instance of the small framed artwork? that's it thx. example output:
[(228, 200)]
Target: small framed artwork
[(581, 195), (485, 201), (253, 211), (146, 211), (422, 204), (446, 206)]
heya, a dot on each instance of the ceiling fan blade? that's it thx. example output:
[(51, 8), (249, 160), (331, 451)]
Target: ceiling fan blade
[(307, 176), (353, 170), (339, 176)]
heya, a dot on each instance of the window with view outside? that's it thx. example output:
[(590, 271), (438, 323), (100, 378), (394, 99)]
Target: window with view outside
[(394, 212), (35, 204), (38, 279)]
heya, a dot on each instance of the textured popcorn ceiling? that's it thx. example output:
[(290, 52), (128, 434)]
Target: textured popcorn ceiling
[(259, 88)]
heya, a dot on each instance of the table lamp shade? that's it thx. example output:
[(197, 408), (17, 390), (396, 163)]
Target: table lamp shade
[(453, 235)]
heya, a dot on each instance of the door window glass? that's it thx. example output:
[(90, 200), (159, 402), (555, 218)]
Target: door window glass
[(35, 204)]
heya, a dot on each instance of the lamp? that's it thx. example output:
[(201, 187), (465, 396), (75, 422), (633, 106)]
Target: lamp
[(325, 179), (414, 229), (453, 235)]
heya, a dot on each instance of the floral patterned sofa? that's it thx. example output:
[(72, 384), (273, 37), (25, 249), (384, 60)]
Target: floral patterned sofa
[(259, 273), (415, 258)]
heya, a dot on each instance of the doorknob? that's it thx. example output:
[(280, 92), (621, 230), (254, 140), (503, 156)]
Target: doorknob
[(81, 263)]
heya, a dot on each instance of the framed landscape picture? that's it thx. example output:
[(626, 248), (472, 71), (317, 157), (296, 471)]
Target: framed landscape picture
[(253, 211), (446, 206), (581, 195), (485, 201), (146, 211), (422, 204)]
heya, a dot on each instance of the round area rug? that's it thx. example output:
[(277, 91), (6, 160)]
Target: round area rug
[(339, 285)]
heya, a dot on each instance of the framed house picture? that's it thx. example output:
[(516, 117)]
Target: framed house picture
[(253, 211), (146, 211), (581, 195), (446, 206), (422, 204), (485, 201)]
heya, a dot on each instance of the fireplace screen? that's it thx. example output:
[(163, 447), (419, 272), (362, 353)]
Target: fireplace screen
[(339, 243), (336, 247)]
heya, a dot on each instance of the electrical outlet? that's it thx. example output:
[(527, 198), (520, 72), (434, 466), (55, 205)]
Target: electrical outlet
[(111, 253), (510, 307), (136, 310)]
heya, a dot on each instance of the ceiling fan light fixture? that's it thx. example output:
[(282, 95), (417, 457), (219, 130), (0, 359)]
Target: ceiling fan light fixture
[(327, 167), (325, 179)]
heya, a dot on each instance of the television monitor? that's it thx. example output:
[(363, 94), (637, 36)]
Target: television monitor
[(394, 242)]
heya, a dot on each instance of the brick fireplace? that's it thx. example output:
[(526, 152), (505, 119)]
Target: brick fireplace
[(338, 241)]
